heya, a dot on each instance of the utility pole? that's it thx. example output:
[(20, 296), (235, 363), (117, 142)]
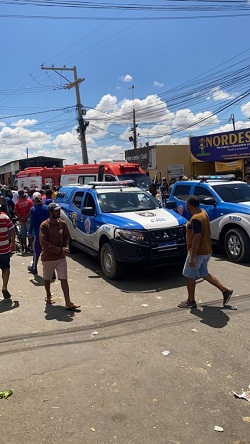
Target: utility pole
[(134, 138), (82, 123), (134, 130), (27, 153)]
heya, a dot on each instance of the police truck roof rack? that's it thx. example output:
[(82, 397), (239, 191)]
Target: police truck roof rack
[(225, 177), (117, 183)]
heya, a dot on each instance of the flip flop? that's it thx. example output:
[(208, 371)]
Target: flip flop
[(50, 301), (73, 307)]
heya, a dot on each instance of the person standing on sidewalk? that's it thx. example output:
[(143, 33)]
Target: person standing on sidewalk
[(48, 197), (6, 227), (199, 252), (38, 214), (10, 204), (54, 240), (22, 211)]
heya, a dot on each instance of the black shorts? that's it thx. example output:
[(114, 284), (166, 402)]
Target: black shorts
[(4, 261)]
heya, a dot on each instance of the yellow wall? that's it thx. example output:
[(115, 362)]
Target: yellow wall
[(203, 168), (172, 155)]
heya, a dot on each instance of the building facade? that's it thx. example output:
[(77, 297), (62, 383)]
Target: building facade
[(171, 161), (227, 152), (9, 170)]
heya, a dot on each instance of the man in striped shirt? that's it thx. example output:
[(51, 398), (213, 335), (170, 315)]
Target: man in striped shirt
[(6, 226)]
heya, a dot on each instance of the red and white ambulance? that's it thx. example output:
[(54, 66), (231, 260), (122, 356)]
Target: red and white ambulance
[(105, 172), (37, 177)]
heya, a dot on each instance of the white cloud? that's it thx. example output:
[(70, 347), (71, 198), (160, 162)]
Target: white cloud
[(158, 84), (126, 78), (245, 109), (218, 94), (107, 135), (186, 117), (24, 122), (229, 127), (111, 152), (14, 141)]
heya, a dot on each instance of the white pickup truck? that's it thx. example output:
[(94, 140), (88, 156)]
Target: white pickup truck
[(121, 224)]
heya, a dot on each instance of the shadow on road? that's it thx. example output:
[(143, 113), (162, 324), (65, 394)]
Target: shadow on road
[(137, 278), (58, 313), (37, 281), (212, 316), (8, 304), (220, 256)]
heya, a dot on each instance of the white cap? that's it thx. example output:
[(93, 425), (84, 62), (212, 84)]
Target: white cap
[(37, 196)]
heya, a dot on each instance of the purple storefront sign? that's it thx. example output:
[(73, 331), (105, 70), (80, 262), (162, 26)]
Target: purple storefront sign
[(221, 146)]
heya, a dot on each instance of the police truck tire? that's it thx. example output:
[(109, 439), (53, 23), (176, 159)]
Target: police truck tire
[(110, 267), (237, 245)]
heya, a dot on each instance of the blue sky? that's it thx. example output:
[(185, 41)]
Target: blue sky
[(190, 74)]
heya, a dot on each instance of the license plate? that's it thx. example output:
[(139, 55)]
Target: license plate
[(167, 244)]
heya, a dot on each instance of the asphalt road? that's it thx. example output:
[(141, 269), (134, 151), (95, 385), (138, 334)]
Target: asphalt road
[(99, 376)]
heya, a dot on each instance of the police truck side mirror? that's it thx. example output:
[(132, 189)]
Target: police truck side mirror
[(88, 211), (170, 205), (208, 201)]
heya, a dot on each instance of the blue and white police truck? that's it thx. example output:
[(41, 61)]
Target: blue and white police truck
[(227, 203), (121, 224)]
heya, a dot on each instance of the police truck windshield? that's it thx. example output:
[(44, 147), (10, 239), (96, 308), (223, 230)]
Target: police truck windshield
[(233, 192), (125, 201)]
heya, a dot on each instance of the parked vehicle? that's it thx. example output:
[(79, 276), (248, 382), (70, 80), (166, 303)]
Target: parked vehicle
[(105, 172), (121, 224), (36, 177), (227, 203)]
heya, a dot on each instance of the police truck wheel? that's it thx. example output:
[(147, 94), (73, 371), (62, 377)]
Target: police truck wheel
[(110, 267), (237, 245)]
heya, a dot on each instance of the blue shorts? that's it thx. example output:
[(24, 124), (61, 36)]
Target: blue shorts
[(199, 270)]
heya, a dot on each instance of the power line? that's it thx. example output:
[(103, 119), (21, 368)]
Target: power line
[(38, 112), (173, 5), (47, 17)]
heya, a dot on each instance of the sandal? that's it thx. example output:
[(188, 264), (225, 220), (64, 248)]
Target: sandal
[(50, 301), (187, 304), (73, 307)]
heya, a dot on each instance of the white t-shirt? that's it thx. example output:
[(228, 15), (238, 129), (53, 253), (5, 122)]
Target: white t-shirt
[(15, 196)]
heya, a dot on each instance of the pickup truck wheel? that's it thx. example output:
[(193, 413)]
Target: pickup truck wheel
[(110, 267), (237, 245)]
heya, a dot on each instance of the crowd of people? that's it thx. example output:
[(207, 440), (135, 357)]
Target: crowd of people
[(41, 231)]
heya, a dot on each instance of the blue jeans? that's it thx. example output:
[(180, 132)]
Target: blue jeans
[(37, 249)]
